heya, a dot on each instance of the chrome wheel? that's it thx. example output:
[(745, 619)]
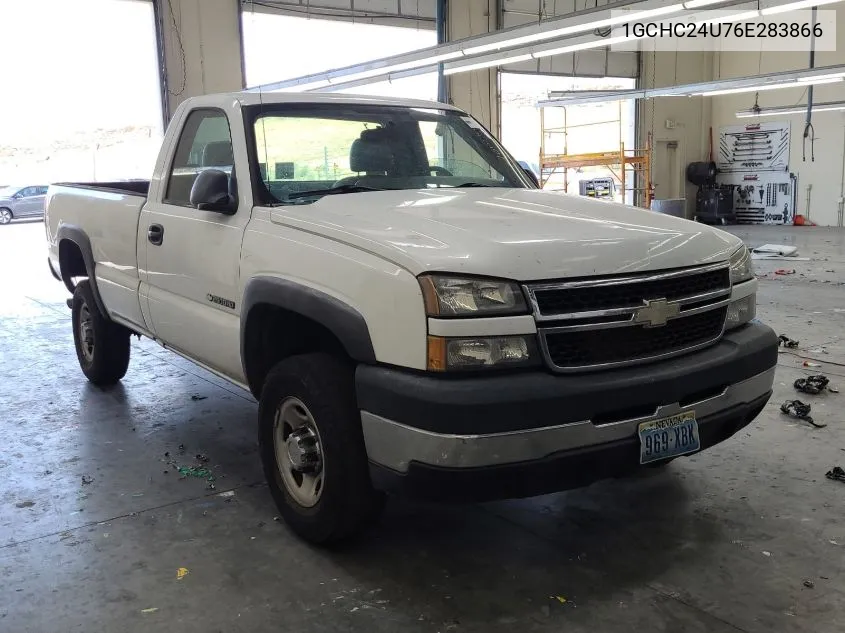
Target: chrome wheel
[(5, 216), (299, 454), (86, 333)]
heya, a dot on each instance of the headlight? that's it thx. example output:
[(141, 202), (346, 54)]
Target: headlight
[(446, 354), (464, 296), (742, 268), (741, 311)]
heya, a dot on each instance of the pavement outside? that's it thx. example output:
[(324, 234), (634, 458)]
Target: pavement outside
[(100, 532)]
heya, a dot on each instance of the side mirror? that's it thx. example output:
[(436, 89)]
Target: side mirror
[(211, 192), (531, 176)]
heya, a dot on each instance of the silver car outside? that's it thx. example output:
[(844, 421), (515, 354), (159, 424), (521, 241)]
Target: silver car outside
[(22, 202)]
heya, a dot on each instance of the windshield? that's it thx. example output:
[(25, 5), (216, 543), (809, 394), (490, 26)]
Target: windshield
[(304, 152), (8, 192)]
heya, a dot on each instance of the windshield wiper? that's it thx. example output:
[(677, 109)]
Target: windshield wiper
[(350, 188), (473, 184)]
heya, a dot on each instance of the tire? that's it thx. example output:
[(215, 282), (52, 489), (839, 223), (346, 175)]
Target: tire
[(329, 498), (5, 215), (102, 346)]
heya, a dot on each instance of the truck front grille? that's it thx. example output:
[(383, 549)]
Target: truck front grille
[(624, 320), (556, 301), (618, 345)]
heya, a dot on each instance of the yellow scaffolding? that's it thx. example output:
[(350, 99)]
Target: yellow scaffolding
[(618, 162)]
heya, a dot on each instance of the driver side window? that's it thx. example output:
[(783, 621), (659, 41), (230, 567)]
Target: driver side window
[(205, 143)]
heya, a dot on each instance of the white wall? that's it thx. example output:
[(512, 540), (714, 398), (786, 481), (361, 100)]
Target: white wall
[(476, 91), (689, 115), (825, 175), (202, 47)]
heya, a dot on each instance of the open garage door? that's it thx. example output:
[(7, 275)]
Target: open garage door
[(278, 46), (82, 97)]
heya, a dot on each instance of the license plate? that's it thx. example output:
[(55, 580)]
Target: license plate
[(668, 437)]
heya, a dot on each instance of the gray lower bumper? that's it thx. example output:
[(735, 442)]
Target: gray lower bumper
[(395, 445)]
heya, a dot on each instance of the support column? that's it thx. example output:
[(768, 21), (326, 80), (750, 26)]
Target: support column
[(200, 49), (476, 91)]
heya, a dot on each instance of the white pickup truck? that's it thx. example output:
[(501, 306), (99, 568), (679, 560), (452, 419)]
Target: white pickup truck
[(410, 311)]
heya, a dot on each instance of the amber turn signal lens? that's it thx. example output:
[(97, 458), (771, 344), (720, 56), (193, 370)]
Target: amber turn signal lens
[(430, 299), (436, 354)]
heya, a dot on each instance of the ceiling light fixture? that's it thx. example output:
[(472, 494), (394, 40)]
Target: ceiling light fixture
[(785, 110), (770, 81), (498, 61), (796, 6), (518, 39), (789, 84), (578, 28), (697, 4), (583, 46), (822, 78)]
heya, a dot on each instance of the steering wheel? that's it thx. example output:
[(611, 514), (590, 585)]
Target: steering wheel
[(440, 171)]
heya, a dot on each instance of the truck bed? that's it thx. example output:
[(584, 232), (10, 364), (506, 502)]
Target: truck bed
[(109, 214)]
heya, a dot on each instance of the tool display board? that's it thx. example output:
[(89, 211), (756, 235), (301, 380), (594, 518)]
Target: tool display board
[(763, 197), (755, 147)]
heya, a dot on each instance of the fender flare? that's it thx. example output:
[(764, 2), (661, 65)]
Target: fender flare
[(76, 235), (341, 319)]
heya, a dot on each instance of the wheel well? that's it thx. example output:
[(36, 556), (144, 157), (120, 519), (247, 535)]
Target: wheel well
[(71, 263), (273, 334)]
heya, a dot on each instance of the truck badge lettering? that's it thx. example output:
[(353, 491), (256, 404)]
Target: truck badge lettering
[(226, 303)]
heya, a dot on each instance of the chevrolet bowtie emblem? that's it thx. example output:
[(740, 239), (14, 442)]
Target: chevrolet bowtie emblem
[(656, 313)]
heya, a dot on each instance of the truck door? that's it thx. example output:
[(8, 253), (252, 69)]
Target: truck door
[(193, 256)]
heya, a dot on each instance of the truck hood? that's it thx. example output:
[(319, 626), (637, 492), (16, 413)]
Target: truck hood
[(521, 234)]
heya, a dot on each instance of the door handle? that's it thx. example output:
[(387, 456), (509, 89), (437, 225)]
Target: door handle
[(155, 234)]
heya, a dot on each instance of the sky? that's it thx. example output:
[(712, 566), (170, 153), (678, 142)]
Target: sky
[(76, 64)]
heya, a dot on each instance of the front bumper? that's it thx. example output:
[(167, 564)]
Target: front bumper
[(526, 434)]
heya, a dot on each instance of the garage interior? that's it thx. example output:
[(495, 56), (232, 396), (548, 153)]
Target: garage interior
[(99, 531)]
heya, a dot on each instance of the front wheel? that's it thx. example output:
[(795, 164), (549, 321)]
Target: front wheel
[(102, 346), (312, 449), (5, 216)]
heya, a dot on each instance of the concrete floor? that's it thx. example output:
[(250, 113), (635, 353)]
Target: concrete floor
[(722, 541)]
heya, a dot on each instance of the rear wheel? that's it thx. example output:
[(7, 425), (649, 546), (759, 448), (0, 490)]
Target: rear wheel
[(102, 346), (5, 216), (313, 450)]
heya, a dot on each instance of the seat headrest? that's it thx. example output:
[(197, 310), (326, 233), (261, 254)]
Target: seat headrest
[(372, 152), (218, 154)]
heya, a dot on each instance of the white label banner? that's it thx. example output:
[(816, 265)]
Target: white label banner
[(725, 30)]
